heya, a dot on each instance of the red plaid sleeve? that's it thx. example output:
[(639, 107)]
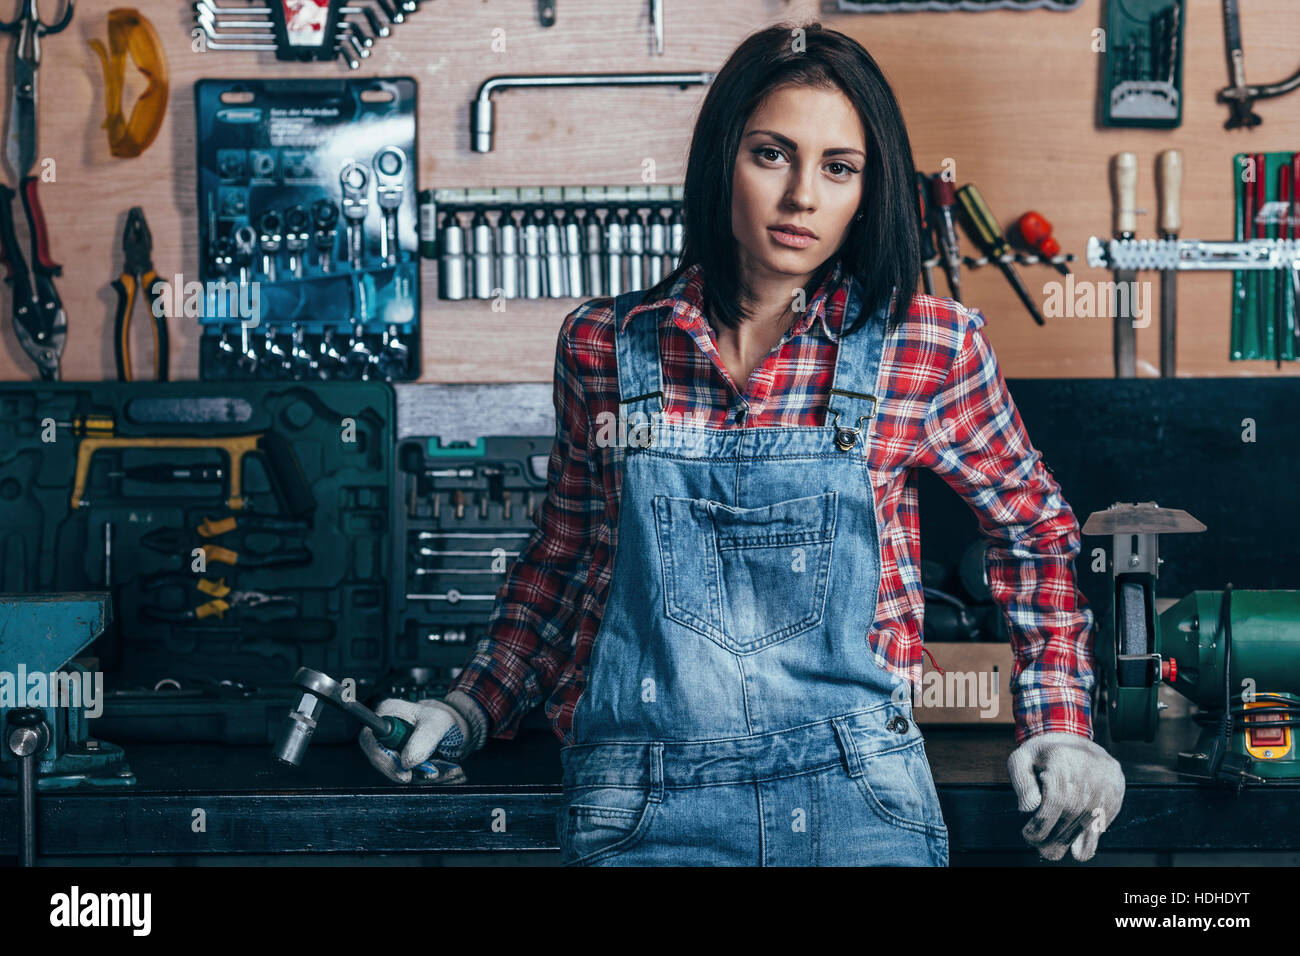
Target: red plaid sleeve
[(530, 632), (973, 438)]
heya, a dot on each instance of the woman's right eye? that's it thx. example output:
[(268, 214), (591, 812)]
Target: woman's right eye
[(769, 153)]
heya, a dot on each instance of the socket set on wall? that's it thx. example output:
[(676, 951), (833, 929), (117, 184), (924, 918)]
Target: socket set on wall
[(945, 6), (550, 242), (308, 189)]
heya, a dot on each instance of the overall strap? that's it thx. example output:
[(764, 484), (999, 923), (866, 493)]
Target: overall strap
[(854, 393), (640, 372)]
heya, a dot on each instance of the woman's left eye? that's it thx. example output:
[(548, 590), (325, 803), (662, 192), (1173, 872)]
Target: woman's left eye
[(843, 169)]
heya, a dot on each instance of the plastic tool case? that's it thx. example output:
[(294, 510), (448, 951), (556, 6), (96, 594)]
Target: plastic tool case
[(181, 499)]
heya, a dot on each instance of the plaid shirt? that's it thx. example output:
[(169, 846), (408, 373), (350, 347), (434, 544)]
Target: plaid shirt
[(943, 406)]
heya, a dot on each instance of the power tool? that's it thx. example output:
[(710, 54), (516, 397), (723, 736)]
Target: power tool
[(1234, 653)]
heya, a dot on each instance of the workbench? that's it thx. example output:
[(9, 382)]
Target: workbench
[(335, 803)]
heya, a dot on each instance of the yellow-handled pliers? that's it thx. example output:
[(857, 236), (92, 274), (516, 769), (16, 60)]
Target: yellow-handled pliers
[(138, 274)]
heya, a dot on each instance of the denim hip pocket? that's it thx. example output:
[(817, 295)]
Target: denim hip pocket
[(598, 822), (746, 578), (899, 787)]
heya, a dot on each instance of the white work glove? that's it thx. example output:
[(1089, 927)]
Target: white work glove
[(452, 729), (1076, 787)]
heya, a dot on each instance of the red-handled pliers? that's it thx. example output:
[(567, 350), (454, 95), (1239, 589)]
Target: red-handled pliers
[(39, 320)]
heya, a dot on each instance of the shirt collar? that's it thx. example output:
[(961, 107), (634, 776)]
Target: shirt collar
[(685, 300)]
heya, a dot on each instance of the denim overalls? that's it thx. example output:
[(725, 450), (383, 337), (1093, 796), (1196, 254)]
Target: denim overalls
[(734, 712)]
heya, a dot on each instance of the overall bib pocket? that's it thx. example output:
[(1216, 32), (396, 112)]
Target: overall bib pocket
[(899, 787), (746, 578), (597, 822)]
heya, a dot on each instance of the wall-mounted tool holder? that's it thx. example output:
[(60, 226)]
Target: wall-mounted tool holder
[(241, 534), (969, 6), (1143, 70), (300, 30), (1264, 302), (550, 242), (307, 190)]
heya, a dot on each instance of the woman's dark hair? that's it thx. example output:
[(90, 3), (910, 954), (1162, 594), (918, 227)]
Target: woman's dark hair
[(882, 249)]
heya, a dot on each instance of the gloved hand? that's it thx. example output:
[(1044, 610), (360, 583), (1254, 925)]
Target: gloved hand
[(452, 728), (1081, 790)]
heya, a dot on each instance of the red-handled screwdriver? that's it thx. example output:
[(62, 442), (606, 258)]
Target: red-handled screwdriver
[(945, 227)]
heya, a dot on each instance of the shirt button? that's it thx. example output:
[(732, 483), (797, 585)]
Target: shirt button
[(898, 725), (740, 415)]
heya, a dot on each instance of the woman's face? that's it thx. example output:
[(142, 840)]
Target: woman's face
[(800, 165)]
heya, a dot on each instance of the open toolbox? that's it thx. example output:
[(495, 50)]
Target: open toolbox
[(241, 533), (465, 514), (307, 190)]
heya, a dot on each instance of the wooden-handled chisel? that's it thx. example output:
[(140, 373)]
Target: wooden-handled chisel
[(1169, 181), (1125, 199)]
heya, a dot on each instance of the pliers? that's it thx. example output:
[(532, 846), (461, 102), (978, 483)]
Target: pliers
[(138, 274), (39, 320), (234, 551), (222, 600)]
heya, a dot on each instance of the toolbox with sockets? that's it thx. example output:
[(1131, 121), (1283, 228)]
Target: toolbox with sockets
[(465, 515), (240, 534), (307, 193)]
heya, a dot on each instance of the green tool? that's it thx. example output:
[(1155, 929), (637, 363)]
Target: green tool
[(1143, 72), (320, 689)]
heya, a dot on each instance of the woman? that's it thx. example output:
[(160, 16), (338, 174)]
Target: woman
[(723, 593)]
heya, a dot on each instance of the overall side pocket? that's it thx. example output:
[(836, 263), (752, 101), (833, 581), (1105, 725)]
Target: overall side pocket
[(597, 822)]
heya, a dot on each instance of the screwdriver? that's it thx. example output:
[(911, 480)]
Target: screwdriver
[(1285, 186), (1295, 233), (929, 257), (1037, 233), (945, 203), (986, 232), (1259, 230)]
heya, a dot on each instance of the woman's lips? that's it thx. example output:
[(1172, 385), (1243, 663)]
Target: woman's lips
[(793, 240)]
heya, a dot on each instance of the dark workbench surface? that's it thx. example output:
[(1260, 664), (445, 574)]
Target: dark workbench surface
[(335, 802)]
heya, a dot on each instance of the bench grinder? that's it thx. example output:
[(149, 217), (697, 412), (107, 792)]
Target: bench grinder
[(1234, 653)]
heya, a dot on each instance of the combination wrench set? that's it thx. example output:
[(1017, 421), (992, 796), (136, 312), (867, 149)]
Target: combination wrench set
[(550, 242), (301, 29), (310, 268)]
